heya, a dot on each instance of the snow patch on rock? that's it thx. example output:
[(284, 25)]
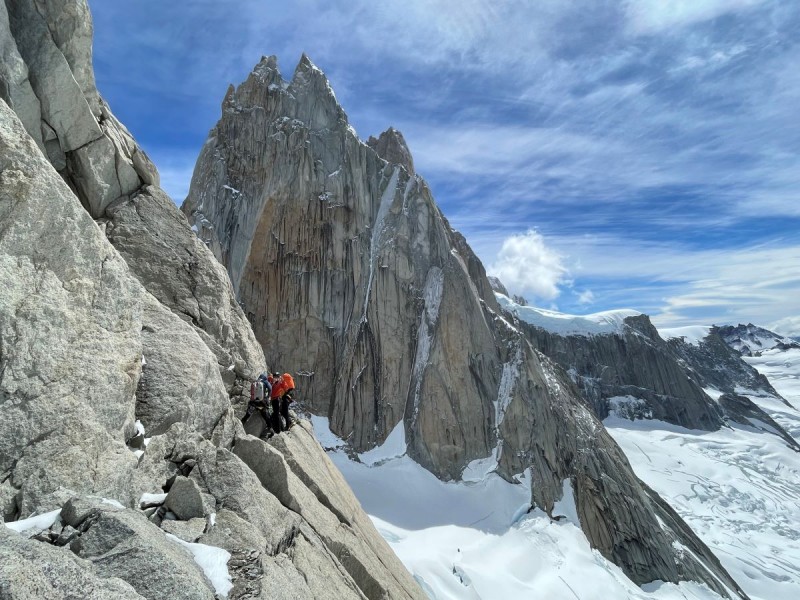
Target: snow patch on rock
[(214, 563)]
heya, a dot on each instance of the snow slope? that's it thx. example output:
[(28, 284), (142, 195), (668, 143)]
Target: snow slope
[(475, 539), (595, 324), (739, 489)]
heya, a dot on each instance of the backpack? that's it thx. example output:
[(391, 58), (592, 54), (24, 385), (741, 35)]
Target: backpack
[(288, 381), (257, 391)]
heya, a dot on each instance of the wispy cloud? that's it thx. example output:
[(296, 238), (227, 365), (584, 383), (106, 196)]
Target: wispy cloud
[(666, 127), (652, 16), (682, 286)]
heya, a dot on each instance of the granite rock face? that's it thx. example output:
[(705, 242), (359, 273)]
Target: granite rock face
[(155, 240), (353, 279), (335, 255), (70, 324), (95, 336), (49, 54), (47, 78)]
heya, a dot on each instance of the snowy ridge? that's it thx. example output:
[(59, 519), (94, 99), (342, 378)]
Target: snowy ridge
[(692, 334), (602, 323), (747, 339)]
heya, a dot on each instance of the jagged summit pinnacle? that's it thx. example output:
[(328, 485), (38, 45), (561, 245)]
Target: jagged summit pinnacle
[(307, 73), (306, 63), (392, 147), (307, 98)]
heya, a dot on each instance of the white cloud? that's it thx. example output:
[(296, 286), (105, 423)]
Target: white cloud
[(788, 326), (681, 286), (652, 16), (526, 265), (586, 297)]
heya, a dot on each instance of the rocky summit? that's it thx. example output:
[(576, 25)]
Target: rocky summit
[(349, 272), (124, 363)]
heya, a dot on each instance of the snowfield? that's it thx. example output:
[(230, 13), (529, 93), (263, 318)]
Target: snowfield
[(611, 321), (475, 539), (739, 489)]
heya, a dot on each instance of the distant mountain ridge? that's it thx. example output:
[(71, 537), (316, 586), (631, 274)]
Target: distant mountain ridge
[(621, 363), (750, 339)]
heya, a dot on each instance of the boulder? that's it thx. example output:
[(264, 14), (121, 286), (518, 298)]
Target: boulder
[(187, 501), (126, 545), (233, 533), (188, 531), (80, 508), (31, 569)]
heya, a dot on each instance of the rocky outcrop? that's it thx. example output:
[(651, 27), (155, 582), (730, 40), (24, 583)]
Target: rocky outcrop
[(155, 240), (27, 568), (638, 375), (95, 336), (633, 363), (391, 146), (742, 410), (717, 364), (353, 278), (80, 136), (48, 80)]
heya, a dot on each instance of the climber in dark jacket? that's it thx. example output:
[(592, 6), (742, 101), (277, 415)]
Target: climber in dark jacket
[(258, 398)]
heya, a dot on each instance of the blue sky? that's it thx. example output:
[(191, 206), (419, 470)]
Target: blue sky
[(596, 154)]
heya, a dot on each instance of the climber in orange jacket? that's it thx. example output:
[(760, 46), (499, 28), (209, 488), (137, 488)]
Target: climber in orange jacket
[(282, 395)]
